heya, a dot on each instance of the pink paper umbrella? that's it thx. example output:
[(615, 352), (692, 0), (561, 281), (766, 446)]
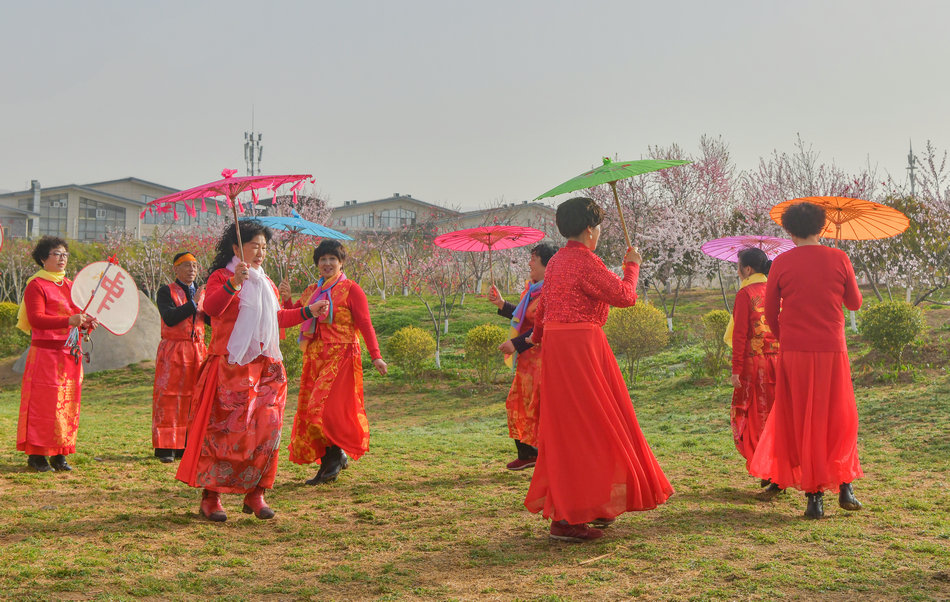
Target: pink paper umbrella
[(488, 238), (228, 187), (728, 248)]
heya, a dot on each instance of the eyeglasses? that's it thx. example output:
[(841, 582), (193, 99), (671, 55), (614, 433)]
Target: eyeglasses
[(58, 255)]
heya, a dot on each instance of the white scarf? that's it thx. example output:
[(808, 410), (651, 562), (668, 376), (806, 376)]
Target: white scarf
[(255, 331)]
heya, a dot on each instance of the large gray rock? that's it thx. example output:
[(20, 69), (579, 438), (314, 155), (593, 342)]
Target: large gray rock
[(109, 351)]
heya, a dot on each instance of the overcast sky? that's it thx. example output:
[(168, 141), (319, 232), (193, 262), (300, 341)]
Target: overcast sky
[(460, 103)]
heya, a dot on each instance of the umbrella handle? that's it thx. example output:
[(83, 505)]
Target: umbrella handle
[(237, 229), (623, 222)]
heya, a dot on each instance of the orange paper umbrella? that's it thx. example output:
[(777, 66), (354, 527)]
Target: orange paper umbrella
[(851, 219)]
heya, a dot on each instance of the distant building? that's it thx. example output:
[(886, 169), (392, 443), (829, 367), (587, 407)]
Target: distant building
[(402, 211), (87, 211)]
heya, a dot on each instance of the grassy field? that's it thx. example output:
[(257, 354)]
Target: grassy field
[(431, 513)]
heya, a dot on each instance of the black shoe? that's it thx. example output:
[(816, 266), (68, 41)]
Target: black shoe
[(179, 454), (765, 483), (769, 493), (38, 463), (59, 463), (333, 462), (816, 505), (846, 498), (165, 456)]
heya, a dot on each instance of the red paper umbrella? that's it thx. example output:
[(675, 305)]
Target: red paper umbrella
[(489, 238), (728, 248), (228, 187)]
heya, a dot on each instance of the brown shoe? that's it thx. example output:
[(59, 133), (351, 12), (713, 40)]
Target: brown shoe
[(563, 531), (254, 502), (520, 464), (211, 506)]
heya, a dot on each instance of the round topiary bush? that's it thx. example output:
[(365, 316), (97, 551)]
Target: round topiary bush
[(636, 332), (481, 349), (409, 348), (890, 326), (13, 341)]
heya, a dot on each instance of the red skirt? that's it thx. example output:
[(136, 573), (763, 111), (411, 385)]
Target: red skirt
[(49, 402), (176, 371), (524, 398), (234, 434), (752, 402), (593, 461), (810, 439)]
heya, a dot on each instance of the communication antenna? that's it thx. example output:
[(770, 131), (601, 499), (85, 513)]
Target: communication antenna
[(911, 166), (252, 149)]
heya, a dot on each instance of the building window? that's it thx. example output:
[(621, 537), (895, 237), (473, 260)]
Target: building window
[(53, 215), (397, 218), (97, 218)]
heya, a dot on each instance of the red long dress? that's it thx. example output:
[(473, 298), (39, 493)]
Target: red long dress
[(810, 439), (52, 379), (234, 433), (524, 398), (330, 402), (593, 461), (179, 356), (754, 359)]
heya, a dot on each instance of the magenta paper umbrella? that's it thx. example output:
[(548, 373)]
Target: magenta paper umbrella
[(228, 187), (488, 238), (728, 248)]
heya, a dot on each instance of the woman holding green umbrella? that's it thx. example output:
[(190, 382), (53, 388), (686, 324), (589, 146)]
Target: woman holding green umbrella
[(593, 461)]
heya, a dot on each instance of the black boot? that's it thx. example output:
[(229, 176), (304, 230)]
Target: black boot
[(846, 498), (770, 492), (332, 462), (816, 505), (38, 463), (165, 456), (59, 463)]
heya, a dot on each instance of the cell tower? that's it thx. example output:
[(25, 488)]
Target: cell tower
[(252, 150)]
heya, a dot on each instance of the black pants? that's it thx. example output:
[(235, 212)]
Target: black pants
[(525, 451)]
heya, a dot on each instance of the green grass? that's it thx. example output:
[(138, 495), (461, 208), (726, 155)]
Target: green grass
[(430, 512)]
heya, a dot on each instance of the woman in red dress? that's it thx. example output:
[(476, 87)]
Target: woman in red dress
[(52, 378), (810, 439), (593, 461), (238, 414), (524, 397), (754, 355), (330, 424)]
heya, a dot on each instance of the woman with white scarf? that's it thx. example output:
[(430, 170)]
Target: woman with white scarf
[(234, 434)]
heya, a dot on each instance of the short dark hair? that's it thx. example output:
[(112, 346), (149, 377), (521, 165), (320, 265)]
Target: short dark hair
[(575, 215), (544, 251), (755, 258), (250, 228), (805, 219), (180, 255), (45, 245), (329, 246)]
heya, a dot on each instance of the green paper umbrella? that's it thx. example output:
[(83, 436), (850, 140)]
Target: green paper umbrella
[(609, 173)]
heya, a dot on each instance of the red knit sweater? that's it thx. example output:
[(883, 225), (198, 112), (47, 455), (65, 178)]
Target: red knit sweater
[(810, 283)]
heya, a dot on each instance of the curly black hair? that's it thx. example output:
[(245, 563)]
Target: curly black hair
[(804, 219), (544, 251), (329, 247), (44, 246), (225, 249), (575, 215), (755, 258)]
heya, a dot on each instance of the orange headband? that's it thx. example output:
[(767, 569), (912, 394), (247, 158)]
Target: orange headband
[(184, 258)]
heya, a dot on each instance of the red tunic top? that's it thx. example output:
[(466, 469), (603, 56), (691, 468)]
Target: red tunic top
[(751, 335), (354, 300), (810, 283), (578, 287), (48, 307)]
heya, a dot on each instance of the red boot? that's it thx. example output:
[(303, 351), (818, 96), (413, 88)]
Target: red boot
[(254, 502), (211, 506)]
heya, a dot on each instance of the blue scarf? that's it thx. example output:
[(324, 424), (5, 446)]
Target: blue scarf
[(531, 292)]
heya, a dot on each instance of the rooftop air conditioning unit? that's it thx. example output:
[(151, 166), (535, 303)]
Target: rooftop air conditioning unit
[(58, 204), (100, 214)]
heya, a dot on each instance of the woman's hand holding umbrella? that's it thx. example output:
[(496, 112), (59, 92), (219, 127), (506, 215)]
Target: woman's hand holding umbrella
[(284, 289), (495, 297), (633, 256), (241, 272)]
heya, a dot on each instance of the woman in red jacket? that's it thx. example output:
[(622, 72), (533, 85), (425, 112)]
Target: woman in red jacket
[(754, 355), (810, 439), (242, 386), (593, 461)]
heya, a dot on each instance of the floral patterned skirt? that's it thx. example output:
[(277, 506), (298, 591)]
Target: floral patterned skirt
[(49, 402)]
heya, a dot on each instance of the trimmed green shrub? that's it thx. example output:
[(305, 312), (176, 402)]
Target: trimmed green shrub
[(481, 350), (715, 350), (890, 326), (290, 349), (13, 341), (636, 332), (409, 348)]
